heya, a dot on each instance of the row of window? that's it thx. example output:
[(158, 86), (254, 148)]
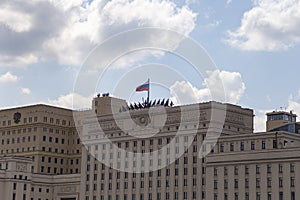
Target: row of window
[(257, 183), (253, 146), (257, 169), (159, 141), (142, 184), (34, 129), (32, 188), (35, 119), (258, 196), (18, 140), (149, 196), (54, 170), (29, 149), (55, 160), (19, 131), (158, 174)]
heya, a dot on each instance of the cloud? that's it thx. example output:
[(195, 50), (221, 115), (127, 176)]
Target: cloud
[(8, 77), (25, 90), (73, 101), (268, 26), (14, 20), (260, 120), (228, 1), (66, 31), (294, 103), (233, 88), (260, 115)]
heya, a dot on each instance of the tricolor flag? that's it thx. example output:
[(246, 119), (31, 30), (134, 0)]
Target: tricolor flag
[(143, 87)]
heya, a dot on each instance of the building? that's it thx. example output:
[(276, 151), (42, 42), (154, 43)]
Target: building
[(118, 152), (241, 165), (254, 166), (46, 134), (282, 121), (17, 182), (40, 154)]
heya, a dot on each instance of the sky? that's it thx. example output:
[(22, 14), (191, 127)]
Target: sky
[(47, 46)]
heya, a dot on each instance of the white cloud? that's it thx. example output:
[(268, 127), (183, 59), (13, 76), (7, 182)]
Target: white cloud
[(216, 85), (25, 90), (294, 104), (8, 77), (66, 31), (15, 20), (260, 115), (20, 61), (260, 120), (228, 1), (72, 100), (270, 25)]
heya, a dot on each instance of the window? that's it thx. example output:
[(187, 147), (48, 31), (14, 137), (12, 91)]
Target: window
[(236, 183), (185, 171), (275, 144), (280, 182), (194, 170), (195, 148), (236, 196), (292, 182), (257, 183), (246, 169), (185, 160), (252, 145), (231, 147), (194, 182), (269, 169), (185, 182), (215, 171), (269, 182), (257, 196), (257, 169), (263, 144), (280, 168), (269, 196), (176, 195), (221, 147), (215, 184), (280, 195), (225, 171), (225, 184), (293, 196), (242, 147), (292, 168), (185, 195), (236, 170), (215, 196), (246, 183)]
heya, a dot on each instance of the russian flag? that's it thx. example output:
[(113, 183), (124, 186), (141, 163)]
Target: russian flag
[(143, 87)]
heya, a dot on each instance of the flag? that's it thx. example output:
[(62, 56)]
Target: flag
[(143, 87)]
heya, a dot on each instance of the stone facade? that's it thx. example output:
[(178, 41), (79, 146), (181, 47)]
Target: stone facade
[(44, 133), (17, 182)]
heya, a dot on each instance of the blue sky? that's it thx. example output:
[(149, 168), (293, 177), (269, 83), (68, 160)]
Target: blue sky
[(254, 45)]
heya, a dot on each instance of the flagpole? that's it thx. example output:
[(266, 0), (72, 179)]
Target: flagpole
[(148, 98)]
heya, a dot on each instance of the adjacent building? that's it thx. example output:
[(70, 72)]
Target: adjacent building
[(46, 134), (40, 154)]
